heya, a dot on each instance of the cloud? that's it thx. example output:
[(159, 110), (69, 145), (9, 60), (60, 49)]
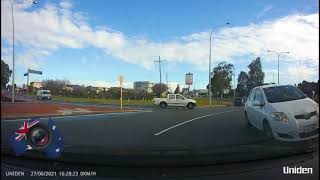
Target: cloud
[(264, 11), (293, 73), (65, 4), (299, 72), (45, 30)]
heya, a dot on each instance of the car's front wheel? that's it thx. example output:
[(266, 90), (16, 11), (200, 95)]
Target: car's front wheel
[(163, 105), (267, 129)]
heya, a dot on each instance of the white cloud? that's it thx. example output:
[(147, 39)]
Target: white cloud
[(293, 73), (51, 28), (65, 4), (264, 11), (299, 72)]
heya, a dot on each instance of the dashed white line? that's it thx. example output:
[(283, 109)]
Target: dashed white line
[(188, 121)]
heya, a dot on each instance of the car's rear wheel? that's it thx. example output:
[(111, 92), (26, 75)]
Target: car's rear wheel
[(190, 106), (267, 129), (247, 119), (163, 105)]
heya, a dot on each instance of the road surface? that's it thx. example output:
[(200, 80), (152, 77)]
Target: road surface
[(183, 128)]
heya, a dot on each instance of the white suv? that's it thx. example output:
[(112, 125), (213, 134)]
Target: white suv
[(282, 112)]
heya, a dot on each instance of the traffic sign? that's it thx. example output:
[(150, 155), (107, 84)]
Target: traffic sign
[(34, 71)]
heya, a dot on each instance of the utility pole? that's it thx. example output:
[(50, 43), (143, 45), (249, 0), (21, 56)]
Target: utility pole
[(160, 61)]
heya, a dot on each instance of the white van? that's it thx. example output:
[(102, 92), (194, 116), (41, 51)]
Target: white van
[(43, 94)]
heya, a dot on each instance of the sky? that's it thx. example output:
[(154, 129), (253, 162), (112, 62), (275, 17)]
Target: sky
[(93, 42)]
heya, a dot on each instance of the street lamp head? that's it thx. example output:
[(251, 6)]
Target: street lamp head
[(35, 2), (227, 23), (268, 51), (288, 52)]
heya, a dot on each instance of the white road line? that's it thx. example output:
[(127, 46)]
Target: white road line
[(84, 115), (67, 146), (185, 122)]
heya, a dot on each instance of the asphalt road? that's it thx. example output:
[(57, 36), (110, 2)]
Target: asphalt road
[(176, 128)]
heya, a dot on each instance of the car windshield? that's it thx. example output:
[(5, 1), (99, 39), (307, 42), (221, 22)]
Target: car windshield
[(115, 80), (283, 93)]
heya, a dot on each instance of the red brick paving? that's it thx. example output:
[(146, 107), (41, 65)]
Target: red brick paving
[(46, 109)]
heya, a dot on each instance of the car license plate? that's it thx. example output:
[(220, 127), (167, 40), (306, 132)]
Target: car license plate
[(309, 128)]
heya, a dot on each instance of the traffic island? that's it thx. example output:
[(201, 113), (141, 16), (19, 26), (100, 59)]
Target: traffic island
[(27, 110)]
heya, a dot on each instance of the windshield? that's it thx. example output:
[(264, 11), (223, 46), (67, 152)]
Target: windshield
[(86, 80), (282, 94)]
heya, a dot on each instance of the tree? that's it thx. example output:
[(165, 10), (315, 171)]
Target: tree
[(242, 86), (56, 87), (5, 74), (158, 89), (177, 91), (129, 94), (114, 92), (221, 78), (307, 88), (256, 75)]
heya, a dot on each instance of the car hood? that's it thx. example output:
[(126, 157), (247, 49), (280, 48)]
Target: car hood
[(192, 100), (300, 106)]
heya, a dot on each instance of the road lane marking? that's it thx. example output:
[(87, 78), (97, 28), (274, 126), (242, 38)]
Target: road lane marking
[(83, 115), (188, 121)]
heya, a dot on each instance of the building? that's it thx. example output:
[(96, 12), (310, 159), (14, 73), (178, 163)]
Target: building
[(101, 89), (202, 93), (36, 86), (143, 86)]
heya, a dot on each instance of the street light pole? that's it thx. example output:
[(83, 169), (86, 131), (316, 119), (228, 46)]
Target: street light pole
[(13, 47), (234, 84), (209, 88), (13, 63), (278, 68), (278, 54)]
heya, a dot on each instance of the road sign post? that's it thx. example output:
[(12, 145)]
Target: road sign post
[(189, 81), (28, 74), (120, 79)]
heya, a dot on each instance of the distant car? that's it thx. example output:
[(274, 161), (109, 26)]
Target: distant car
[(283, 112), (244, 100), (175, 100), (238, 101), (43, 95)]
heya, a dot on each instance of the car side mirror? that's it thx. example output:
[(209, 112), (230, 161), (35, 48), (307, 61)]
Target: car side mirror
[(258, 103)]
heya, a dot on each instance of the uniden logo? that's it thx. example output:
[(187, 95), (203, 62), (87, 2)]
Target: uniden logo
[(296, 170)]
